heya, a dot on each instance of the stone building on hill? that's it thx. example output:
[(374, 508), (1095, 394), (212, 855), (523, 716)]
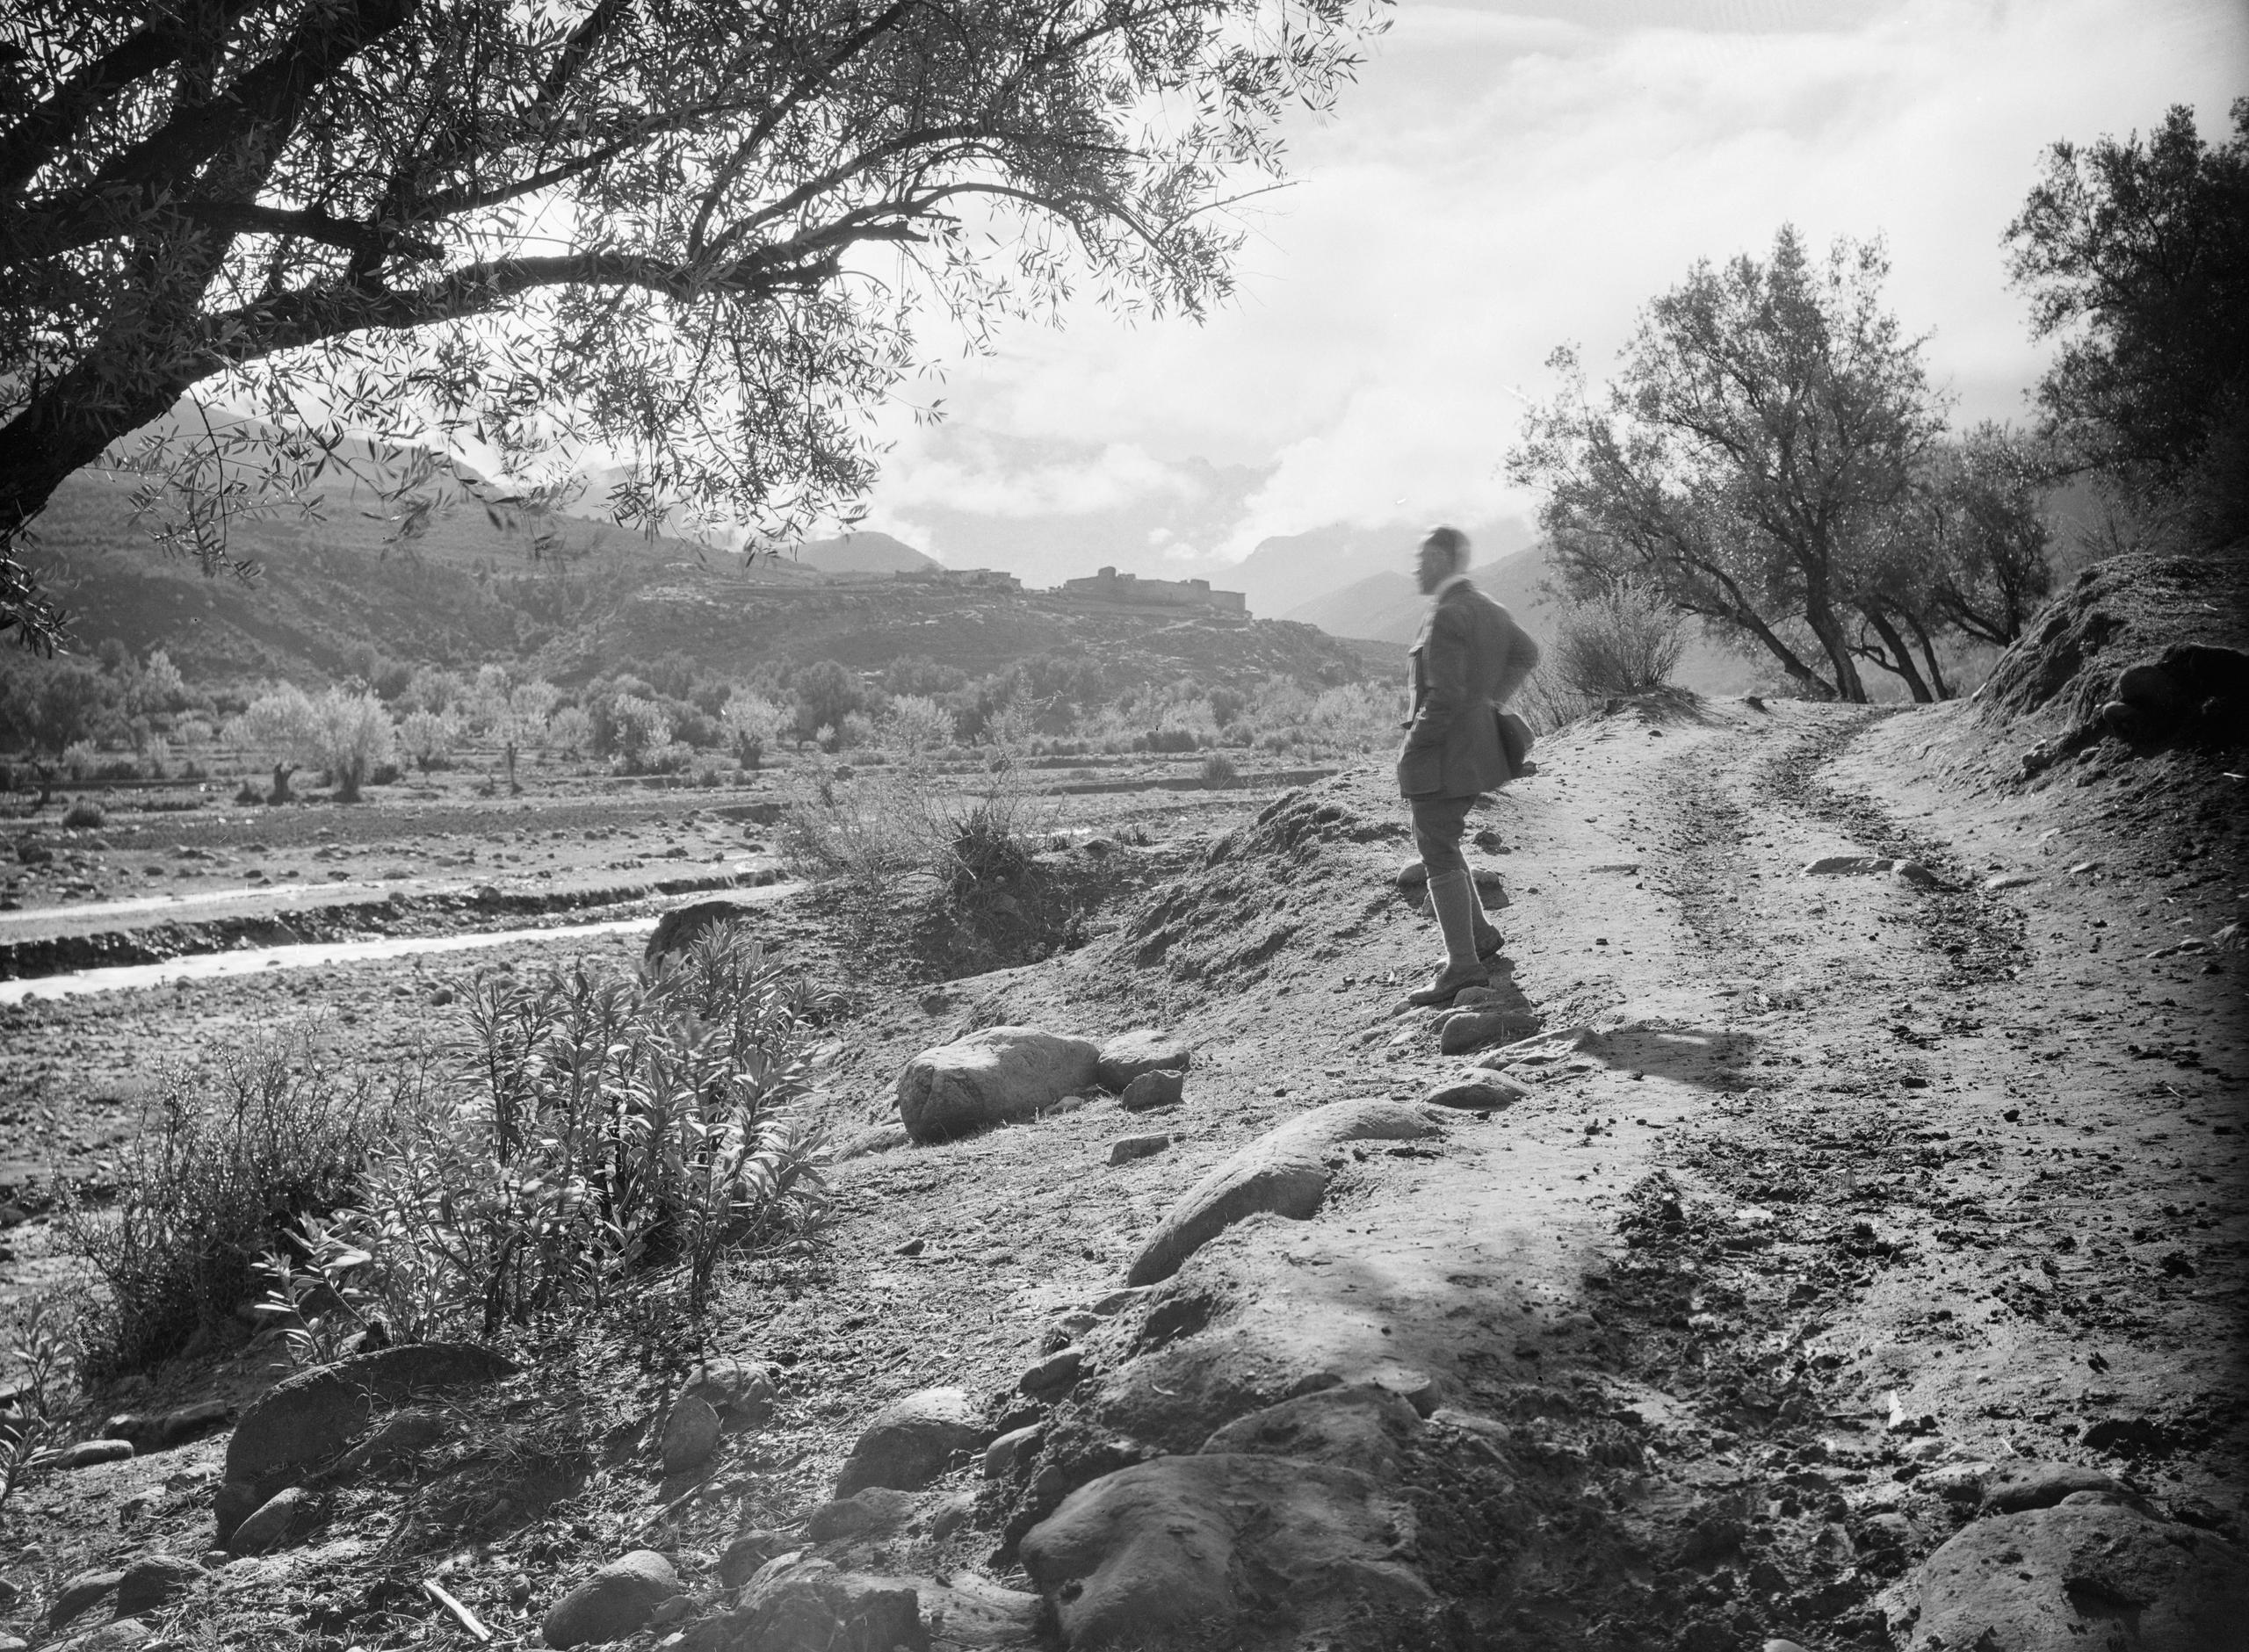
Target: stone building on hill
[(1109, 586)]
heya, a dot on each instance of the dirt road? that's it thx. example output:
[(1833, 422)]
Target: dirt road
[(1833, 1195)]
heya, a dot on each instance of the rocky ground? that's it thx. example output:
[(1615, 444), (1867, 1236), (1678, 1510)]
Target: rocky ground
[(1853, 1256)]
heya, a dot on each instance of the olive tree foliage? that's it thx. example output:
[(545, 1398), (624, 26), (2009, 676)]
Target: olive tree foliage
[(752, 722), (347, 732), (1748, 460), (916, 725), (681, 239), (2135, 256), (1978, 543)]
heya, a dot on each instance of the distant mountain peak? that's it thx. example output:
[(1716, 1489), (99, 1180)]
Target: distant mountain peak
[(864, 553)]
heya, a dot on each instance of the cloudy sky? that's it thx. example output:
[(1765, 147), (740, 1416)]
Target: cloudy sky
[(1508, 176)]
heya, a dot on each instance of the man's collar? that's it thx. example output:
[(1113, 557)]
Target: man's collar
[(1446, 584)]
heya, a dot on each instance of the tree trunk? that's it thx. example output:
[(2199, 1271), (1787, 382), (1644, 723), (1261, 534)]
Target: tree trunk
[(1928, 655), (1734, 611), (61, 431), (1899, 661), (1821, 617)]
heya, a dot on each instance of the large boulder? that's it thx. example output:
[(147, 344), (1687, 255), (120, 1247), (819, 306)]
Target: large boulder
[(1127, 1055), (613, 1602), (994, 1077), (316, 1413), (681, 926), (2072, 1577), (1282, 1171), (1239, 1547), (1359, 1426), (912, 1441)]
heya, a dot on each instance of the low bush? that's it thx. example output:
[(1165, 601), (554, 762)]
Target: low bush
[(1168, 739), (225, 1158), (84, 811), (972, 832), (1625, 640), (1219, 772), (981, 841), (864, 832)]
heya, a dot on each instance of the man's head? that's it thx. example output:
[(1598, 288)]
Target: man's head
[(1443, 554)]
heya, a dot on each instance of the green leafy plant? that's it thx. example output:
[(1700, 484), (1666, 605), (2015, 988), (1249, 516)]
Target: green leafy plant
[(598, 1127), (39, 1342), (316, 1304)]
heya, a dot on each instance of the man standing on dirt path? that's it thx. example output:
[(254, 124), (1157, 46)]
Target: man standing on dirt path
[(1469, 660)]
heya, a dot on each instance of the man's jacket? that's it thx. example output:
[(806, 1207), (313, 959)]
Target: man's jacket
[(1469, 659)]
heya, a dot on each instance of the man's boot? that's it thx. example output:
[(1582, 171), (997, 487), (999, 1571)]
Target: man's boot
[(1488, 938), (1453, 897)]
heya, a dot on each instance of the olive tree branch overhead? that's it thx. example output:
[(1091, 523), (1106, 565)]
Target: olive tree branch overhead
[(630, 229)]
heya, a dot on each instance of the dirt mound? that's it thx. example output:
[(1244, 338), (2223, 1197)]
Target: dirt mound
[(2169, 612), (1257, 889)]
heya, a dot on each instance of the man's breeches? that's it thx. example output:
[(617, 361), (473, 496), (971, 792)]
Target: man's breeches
[(1437, 825)]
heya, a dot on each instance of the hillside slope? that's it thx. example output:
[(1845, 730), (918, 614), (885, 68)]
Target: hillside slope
[(860, 553), (470, 590)]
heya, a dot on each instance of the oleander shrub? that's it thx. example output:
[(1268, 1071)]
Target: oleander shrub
[(599, 1132)]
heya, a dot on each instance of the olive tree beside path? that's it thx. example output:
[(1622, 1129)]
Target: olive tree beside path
[(691, 235), (1765, 427)]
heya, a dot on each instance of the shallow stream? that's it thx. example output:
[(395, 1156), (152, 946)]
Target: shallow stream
[(206, 966)]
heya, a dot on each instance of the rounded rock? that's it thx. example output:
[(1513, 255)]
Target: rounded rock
[(691, 1434), (87, 1452), (1127, 1055), (1011, 1448), (913, 1440), (277, 1520), (1152, 1090), (1125, 1149), (620, 1598), (81, 1594), (154, 1581), (1056, 1372), (998, 1076)]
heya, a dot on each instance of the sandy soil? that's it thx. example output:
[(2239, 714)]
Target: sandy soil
[(1854, 1176)]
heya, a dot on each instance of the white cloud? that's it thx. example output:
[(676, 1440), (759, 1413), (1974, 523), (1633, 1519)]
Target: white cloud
[(977, 474), (1507, 178)]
